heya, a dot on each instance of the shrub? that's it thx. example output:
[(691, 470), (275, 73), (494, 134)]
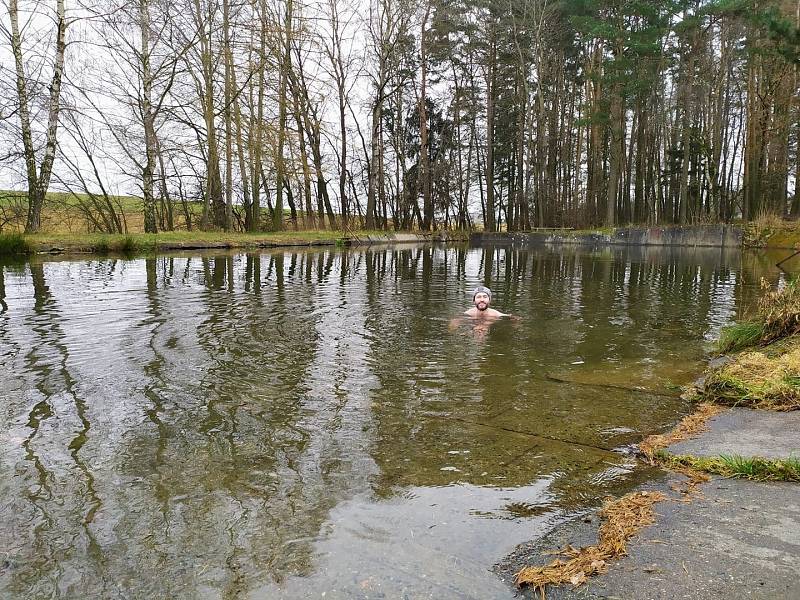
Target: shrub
[(102, 246)]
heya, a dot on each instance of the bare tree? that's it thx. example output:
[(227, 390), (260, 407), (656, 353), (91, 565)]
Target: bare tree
[(38, 176), (389, 43)]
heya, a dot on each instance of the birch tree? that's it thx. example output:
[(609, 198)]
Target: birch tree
[(38, 165)]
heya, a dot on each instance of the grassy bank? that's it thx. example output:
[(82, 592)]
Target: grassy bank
[(772, 232), (69, 213), (767, 378), (176, 240), (764, 371)]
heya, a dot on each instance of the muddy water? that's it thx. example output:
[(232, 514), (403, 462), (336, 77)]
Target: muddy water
[(288, 424)]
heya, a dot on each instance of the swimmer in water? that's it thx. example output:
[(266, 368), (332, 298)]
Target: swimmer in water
[(482, 298)]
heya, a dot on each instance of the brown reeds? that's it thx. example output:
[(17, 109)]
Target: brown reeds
[(779, 309), (622, 519)]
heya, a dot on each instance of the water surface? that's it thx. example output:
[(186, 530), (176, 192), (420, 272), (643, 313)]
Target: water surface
[(285, 424)]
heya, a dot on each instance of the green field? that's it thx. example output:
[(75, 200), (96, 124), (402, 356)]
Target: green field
[(70, 214)]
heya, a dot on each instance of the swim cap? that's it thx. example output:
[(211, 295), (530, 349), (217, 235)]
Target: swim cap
[(482, 290)]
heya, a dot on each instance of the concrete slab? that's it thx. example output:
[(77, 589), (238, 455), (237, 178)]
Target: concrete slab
[(746, 432), (738, 539)]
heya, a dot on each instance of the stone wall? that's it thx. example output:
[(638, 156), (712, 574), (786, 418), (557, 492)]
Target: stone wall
[(357, 239), (697, 235)]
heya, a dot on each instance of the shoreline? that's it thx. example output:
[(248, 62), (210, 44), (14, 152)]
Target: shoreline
[(100, 244), (734, 237)]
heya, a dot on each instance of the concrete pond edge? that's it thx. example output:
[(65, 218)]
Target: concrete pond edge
[(689, 473)]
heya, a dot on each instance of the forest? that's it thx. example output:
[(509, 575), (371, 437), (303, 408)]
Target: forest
[(501, 115)]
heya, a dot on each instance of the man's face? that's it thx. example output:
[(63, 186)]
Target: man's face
[(481, 300)]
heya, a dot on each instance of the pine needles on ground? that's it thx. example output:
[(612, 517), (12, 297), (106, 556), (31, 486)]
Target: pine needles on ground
[(689, 426), (623, 518)]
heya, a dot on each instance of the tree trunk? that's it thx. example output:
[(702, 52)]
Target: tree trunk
[(38, 182), (214, 200), (424, 152), (277, 216), (229, 92), (490, 102), (617, 153)]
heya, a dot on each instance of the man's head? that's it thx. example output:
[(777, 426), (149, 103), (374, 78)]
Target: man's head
[(482, 297)]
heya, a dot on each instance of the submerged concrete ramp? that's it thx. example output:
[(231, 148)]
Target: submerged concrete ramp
[(737, 539)]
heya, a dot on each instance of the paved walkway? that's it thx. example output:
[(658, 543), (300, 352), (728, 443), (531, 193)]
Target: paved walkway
[(747, 432)]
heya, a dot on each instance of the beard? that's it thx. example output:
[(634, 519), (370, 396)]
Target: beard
[(481, 306)]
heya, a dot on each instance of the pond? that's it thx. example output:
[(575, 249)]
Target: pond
[(292, 423)]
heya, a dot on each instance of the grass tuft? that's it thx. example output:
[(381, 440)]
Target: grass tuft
[(739, 467), (622, 519), (13, 243), (777, 317), (102, 246), (740, 336), (129, 245)]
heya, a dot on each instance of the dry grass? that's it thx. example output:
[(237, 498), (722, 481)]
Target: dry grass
[(779, 309), (756, 380), (653, 447), (689, 486), (763, 229), (623, 518), (768, 378), (689, 426)]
